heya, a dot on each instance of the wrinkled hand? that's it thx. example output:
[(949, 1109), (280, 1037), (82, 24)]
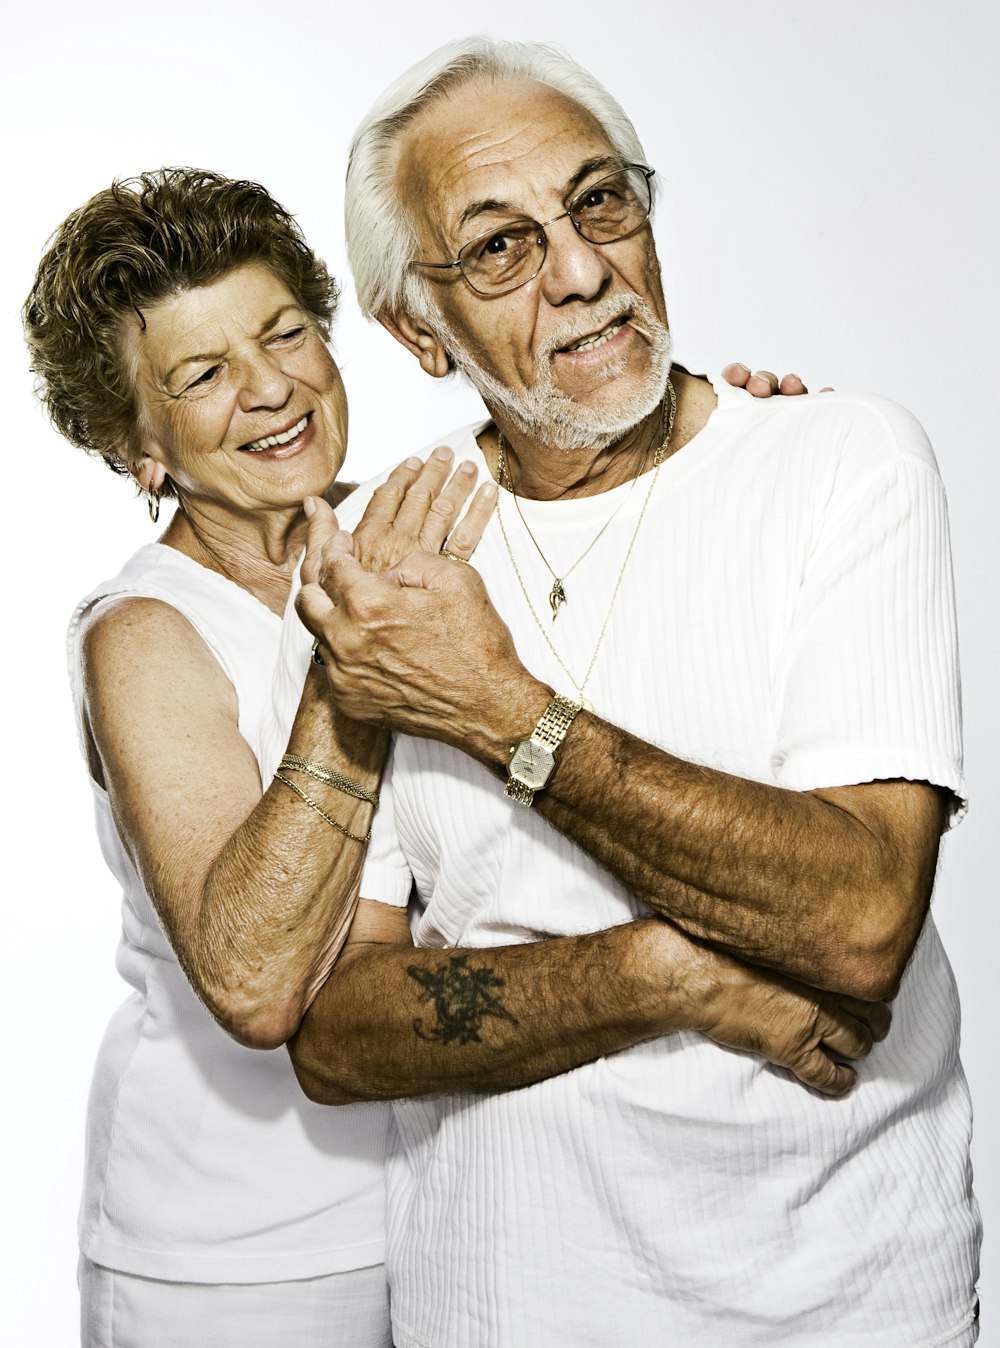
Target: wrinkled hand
[(791, 1025), (419, 648), (418, 506), (764, 384)]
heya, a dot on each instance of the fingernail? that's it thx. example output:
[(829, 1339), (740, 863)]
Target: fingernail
[(467, 466), (309, 506), (442, 453), (488, 491), (412, 462), (740, 366)]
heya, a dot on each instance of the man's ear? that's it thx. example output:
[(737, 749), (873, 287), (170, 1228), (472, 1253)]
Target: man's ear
[(428, 348)]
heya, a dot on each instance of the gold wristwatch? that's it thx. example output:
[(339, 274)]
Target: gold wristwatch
[(532, 761)]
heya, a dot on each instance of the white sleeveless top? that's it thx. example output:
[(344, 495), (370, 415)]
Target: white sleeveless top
[(204, 1160)]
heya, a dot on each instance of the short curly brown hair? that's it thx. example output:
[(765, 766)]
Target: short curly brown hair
[(140, 241)]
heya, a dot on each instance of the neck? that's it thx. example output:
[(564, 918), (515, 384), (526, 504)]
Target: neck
[(258, 552), (539, 473)]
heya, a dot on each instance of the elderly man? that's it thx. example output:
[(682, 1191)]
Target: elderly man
[(698, 730)]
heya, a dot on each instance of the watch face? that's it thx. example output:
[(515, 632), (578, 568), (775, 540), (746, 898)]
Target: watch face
[(532, 763)]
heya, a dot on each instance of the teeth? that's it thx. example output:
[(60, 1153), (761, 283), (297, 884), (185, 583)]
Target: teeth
[(589, 343), (269, 441)]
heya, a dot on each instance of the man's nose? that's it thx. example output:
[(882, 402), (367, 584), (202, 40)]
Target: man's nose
[(263, 383), (574, 268)]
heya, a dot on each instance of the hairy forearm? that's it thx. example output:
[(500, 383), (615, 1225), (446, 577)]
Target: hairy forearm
[(829, 887), (786, 879), (278, 901), (393, 1022)]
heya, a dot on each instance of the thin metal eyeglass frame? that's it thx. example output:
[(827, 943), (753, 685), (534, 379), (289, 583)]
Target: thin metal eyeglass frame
[(458, 262)]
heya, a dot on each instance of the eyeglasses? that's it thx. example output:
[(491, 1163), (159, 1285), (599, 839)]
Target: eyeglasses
[(605, 211)]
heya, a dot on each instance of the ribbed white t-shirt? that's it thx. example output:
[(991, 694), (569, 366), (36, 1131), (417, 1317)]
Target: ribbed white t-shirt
[(787, 616), (204, 1160)]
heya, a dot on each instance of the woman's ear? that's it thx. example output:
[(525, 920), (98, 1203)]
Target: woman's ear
[(149, 474)]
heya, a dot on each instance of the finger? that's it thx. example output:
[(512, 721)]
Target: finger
[(420, 570), (423, 492), (736, 374), (332, 575), (314, 607), (322, 527), (851, 1027), (469, 530), (876, 1015), (444, 509), (387, 497), (762, 384), (815, 1069), (791, 386), (847, 1035)]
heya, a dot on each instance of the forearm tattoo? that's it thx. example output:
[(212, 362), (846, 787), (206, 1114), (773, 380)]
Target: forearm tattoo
[(463, 997)]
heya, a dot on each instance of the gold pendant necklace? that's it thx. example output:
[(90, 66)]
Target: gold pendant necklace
[(658, 458), (557, 595)]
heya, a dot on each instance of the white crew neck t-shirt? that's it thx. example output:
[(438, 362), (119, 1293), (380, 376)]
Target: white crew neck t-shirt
[(786, 616)]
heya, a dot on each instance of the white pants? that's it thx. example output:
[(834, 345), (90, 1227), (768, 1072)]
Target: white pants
[(342, 1310)]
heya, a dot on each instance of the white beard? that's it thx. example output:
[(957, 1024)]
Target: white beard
[(546, 413)]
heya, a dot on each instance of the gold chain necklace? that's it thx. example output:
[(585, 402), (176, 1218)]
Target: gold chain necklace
[(557, 595), (658, 458)]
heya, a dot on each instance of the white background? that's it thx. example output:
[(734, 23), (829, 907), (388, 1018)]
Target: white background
[(829, 204)]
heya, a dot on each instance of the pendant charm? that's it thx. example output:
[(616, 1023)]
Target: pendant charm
[(557, 597)]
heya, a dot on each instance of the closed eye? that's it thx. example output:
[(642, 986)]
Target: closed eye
[(289, 335), (205, 377)]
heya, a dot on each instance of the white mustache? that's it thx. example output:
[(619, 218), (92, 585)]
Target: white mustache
[(617, 306)]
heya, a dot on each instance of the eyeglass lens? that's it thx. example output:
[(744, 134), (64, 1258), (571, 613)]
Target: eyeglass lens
[(609, 209)]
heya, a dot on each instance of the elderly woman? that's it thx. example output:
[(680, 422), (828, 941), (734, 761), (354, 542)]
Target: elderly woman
[(178, 328)]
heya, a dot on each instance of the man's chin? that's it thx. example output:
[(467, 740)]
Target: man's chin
[(570, 424), (553, 417)]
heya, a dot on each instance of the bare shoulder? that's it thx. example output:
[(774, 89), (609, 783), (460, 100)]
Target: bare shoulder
[(140, 647)]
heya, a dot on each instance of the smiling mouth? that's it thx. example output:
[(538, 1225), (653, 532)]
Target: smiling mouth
[(273, 441), (596, 339)]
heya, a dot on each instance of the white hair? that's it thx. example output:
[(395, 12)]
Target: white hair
[(381, 238)]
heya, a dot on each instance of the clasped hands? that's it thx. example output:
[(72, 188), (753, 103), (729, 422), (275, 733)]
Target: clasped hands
[(410, 639)]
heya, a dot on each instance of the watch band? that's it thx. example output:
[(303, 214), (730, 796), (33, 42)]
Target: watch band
[(547, 735), (556, 721), (519, 791)]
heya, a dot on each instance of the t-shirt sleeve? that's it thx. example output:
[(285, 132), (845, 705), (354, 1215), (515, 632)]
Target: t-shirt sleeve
[(868, 683), (386, 876)]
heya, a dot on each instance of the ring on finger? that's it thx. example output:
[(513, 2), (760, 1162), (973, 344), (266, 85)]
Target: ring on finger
[(453, 556), (317, 654)]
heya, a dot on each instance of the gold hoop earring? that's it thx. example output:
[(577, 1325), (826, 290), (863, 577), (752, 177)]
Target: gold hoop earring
[(153, 504)]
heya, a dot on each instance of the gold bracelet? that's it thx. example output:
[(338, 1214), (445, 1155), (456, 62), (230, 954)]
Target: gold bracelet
[(335, 779), (313, 805)]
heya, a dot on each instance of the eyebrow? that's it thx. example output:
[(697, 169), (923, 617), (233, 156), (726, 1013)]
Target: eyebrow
[(491, 206), (267, 326)]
